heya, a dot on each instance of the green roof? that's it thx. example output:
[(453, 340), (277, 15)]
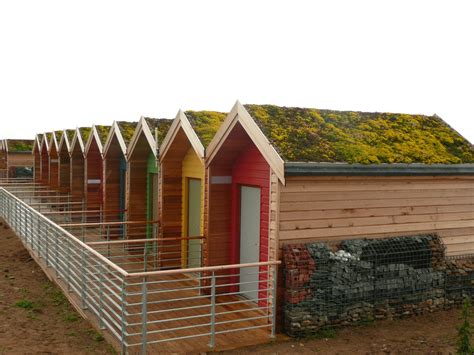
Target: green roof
[(103, 132), (85, 133), (70, 134), (160, 126), (48, 136), (19, 145), (127, 129), (58, 135), (205, 124), (314, 135)]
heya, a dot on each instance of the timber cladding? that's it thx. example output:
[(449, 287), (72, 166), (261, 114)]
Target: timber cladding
[(338, 208)]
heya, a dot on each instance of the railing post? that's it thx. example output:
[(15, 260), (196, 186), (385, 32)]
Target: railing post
[(144, 315), (123, 318), (47, 235), (212, 342), (274, 303), (84, 278), (68, 265), (56, 256), (101, 297)]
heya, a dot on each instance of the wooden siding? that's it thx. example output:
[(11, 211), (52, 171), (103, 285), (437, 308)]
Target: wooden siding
[(250, 169), (337, 208), (44, 166), (192, 167), (37, 165), (64, 171), (53, 168), (93, 177), (77, 174), (113, 163), (218, 216)]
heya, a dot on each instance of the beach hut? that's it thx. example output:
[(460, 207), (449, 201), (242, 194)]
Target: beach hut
[(37, 158), (94, 167), (3, 161), (54, 159), (18, 157), (64, 163), (77, 161), (182, 178), (143, 169), (115, 168), (44, 152), (278, 175)]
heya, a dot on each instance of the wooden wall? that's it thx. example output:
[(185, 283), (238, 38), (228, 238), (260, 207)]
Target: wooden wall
[(112, 180), (44, 166), (77, 174), (337, 208), (20, 160), (93, 177), (64, 171), (37, 165), (53, 168)]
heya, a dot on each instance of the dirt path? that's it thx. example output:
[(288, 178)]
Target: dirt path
[(35, 317)]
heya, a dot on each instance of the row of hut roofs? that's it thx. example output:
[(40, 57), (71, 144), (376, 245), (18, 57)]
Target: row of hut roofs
[(261, 175)]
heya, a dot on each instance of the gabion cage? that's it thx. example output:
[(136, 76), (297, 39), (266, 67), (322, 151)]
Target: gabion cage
[(330, 284)]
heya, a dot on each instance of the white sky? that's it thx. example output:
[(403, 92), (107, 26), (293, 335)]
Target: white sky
[(70, 63)]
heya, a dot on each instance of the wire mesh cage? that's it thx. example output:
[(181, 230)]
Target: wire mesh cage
[(353, 281)]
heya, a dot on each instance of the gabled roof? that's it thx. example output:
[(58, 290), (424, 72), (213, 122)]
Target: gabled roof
[(314, 135), (198, 126), (81, 135), (66, 138), (154, 129), (45, 139), (239, 115), (100, 134), (55, 139), (18, 145), (124, 131), (37, 142)]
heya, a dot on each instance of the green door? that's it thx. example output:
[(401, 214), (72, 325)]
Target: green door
[(194, 222)]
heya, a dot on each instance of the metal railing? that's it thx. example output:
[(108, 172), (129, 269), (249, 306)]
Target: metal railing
[(128, 290)]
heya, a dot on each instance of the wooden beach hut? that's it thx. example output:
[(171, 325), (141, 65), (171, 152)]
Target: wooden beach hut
[(278, 175), (115, 168), (54, 159), (77, 161), (37, 158), (142, 167), (44, 151), (93, 182), (182, 178), (18, 157), (64, 157), (3, 156)]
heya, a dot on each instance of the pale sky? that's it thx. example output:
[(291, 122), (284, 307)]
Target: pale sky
[(72, 63)]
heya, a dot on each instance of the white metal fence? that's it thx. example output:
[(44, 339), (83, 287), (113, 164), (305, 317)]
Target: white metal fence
[(149, 306)]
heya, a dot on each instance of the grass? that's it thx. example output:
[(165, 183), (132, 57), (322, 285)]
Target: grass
[(25, 304), (70, 317)]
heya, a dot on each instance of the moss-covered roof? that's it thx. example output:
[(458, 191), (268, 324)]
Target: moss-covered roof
[(48, 136), (205, 124), (70, 134), (160, 126), (85, 133), (304, 134), (58, 135), (19, 145), (103, 132), (127, 129)]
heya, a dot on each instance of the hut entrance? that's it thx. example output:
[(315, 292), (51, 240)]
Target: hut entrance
[(249, 239), (152, 193), (193, 224), (122, 180)]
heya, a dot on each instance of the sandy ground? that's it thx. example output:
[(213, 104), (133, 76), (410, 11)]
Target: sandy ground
[(35, 317)]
